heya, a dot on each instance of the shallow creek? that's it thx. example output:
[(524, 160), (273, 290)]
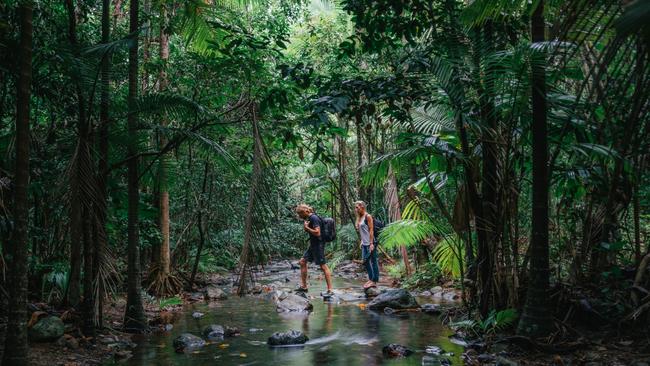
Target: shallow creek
[(340, 333)]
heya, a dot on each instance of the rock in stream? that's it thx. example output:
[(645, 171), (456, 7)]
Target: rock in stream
[(396, 350), (215, 293), (293, 303), (214, 331), (398, 299), (287, 338), (187, 342)]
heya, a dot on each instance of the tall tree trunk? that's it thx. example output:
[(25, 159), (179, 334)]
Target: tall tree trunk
[(536, 318), (102, 165), (200, 226), (250, 209), (361, 191), (163, 283), (391, 199), (636, 219), (164, 192), (469, 167), (83, 183), (73, 293), (343, 177), (487, 249), (134, 319), (15, 353)]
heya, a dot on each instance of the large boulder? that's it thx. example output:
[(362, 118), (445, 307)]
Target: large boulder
[(276, 295), (293, 303), (49, 328), (215, 293), (187, 342), (396, 350), (214, 331), (372, 292), (396, 299), (287, 338)]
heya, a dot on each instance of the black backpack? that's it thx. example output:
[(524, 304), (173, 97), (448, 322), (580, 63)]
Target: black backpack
[(377, 227), (327, 229)]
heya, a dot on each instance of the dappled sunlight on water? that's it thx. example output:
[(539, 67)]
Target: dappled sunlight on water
[(339, 334)]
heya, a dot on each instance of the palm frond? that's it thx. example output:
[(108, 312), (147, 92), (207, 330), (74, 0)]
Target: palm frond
[(408, 233)]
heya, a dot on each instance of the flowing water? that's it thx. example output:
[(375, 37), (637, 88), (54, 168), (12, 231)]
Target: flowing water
[(339, 334)]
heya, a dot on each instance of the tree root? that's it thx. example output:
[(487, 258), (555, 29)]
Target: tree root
[(530, 344), (162, 284)]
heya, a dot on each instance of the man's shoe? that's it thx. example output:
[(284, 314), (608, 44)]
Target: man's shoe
[(301, 289)]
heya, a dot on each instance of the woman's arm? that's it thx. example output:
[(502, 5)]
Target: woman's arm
[(371, 227)]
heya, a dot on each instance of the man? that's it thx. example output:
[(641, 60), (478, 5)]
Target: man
[(316, 251)]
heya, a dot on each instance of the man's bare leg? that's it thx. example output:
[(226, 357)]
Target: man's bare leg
[(328, 276), (303, 272)]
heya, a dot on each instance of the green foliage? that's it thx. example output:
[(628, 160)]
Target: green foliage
[(55, 281), (496, 321), (499, 320), (169, 302), (408, 232), (427, 275), (448, 255)]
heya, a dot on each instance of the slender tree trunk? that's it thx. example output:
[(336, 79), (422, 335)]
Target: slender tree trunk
[(83, 182), (200, 226), (163, 283), (469, 167), (391, 199), (637, 222), (536, 318), (15, 353), (487, 249), (343, 178), (76, 205), (360, 190), (248, 225), (88, 304), (102, 166), (134, 319)]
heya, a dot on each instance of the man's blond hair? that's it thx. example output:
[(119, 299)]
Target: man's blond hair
[(304, 208)]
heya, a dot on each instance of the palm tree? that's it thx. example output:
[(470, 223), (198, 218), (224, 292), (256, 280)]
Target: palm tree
[(134, 319), (16, 346), (536, 318), (163, 283)]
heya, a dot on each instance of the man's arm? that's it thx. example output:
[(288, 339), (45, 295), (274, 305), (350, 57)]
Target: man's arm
[(315, 231)]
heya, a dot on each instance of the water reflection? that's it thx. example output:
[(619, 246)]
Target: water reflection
[(340, 334)]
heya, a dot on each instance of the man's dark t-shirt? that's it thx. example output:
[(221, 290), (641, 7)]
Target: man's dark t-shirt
[(314, 222), (316, 251)]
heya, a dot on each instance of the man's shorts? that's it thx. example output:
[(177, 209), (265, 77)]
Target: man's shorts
[(315, 254)]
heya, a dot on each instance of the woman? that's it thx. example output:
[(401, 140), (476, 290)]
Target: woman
[(365, 226)]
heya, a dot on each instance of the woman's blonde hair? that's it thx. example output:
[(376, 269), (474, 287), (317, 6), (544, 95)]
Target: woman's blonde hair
[(304, 208), (362, 204)]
